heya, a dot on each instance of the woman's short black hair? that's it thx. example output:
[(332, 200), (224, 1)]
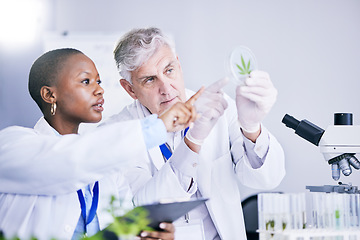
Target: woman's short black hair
[(46, 69)]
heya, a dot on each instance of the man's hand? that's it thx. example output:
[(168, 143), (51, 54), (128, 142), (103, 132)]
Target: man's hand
[(211, 105), (167, 233), (254, 100), (181, 115)]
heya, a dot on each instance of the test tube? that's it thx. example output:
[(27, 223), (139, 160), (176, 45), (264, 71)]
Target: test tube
[(315, 210), (309, 210), (338, 210), (286, 217), (346, 211), (353, 214), (266, 212), (303, 210), (357, 208), (261, 220), (329, 216), (277, 204)]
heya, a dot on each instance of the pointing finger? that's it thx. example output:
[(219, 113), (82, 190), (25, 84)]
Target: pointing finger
[(194, 97), (218, 85)]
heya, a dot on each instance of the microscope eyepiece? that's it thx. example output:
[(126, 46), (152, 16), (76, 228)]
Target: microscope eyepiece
[(304, 129), (290, 121)]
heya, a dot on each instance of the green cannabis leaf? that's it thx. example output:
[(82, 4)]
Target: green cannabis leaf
[(130, 224), (245, 69), (123, 227)]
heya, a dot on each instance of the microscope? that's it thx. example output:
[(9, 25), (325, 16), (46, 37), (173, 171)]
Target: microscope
[(339, 144)]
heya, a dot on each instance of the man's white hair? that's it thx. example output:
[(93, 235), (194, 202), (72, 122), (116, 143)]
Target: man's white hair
[(136, 47)]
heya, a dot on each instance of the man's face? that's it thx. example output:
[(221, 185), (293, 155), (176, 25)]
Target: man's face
[(158, 83)]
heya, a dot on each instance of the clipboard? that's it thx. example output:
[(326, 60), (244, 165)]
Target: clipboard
[(160, 212), (169, 211)]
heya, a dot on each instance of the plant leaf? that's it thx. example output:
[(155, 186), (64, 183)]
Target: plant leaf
[(240, 68), (248, 67), (242, 71), (243, 62)]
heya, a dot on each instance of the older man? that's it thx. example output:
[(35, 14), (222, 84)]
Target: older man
[(226, 144)]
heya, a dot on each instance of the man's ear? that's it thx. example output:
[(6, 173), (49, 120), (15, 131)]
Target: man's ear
[(47, 94), (177, 57), (128, 88)]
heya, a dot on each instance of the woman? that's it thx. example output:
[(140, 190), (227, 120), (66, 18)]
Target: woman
[(45, 171)]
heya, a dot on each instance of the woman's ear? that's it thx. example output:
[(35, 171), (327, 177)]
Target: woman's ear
[(47, 94), (128, 88)]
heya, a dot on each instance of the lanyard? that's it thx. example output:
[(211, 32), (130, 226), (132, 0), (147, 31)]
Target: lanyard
[(94, 204), (165, 150)]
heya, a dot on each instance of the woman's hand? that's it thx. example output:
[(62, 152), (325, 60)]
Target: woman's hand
[(181, 115)]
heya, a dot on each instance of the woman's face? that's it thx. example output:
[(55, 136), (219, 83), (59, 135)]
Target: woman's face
[(79, 97)]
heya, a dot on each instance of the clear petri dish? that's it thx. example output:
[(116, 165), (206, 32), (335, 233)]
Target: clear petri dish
[(240, 64)]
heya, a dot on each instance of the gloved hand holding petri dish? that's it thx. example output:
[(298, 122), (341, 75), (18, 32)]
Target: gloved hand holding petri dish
[(240, 64)]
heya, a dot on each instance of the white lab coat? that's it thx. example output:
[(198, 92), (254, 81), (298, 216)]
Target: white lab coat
[(217, 175), (40, 172)]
